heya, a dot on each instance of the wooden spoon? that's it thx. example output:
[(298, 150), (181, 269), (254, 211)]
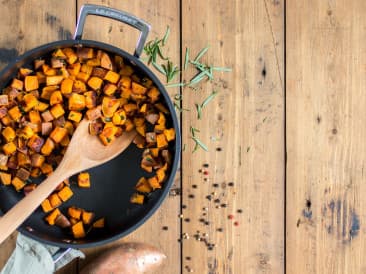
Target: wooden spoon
[(84, 151)]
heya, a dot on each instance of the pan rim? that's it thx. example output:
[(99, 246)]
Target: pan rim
[(14, 65)]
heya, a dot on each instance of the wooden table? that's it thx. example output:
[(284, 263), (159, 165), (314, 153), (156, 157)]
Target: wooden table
[(285, 134)]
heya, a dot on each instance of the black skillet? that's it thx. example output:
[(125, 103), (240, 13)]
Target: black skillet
[(112, 183)]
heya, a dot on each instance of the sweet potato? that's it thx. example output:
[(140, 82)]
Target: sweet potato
[(126, 258)]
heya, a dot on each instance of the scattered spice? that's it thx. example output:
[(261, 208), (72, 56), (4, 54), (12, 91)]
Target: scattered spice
[(191, 196), (219, 229), (165, 228), (218, 149), (231, 184), (215, 185), (205, 172), (236, 223), (230, 217), (187, 220), (188, 258), (206, 165), (239, 211), (194, 186)]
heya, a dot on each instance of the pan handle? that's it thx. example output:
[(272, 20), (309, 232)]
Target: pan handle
[(118, 15)]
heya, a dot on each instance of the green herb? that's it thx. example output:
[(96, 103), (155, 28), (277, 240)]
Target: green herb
[(166, 35), (149, 159), (248, 148), (204, 103), (201, 53), (198, 143), (158, 68), (170, 71), (153, 49), (173, 85), (108, 139), (108, 119), (184, 147), (222, 69), (186, 59)]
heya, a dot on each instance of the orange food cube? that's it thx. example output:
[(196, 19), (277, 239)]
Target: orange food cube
[(75, 116), (99, 223), (17, 183), (66, 86), (54, 80), (84, 180), (58, 134), (48, 147), (5, 178), (31, 83), (112, 77), (138, 89), (87, 217), (9, 134), (46, 206), (109, 89), (161, 141), (65, 193), (143, 186), (56, 98), (17, 84), (55, 200), (137, 198), (51, 218), (95, 83), (83, 76), (78, 230), (154, 183), (9, 148), (76, 102), (74, 69), (79, 86), (169, 134), (74, 212), (71, 56), (57, 111), (46, 168), (15, 113), (30, 101), (26, 132)]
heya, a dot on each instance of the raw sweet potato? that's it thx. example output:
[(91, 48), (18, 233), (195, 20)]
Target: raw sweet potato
[(126, 258)]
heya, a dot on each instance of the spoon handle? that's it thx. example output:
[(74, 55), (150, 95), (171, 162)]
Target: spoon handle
[(25, 207)]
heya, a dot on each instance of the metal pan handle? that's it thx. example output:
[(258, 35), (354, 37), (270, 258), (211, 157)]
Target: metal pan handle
[(118, 15)]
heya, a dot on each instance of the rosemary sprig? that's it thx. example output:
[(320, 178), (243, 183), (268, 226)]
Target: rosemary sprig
[(166, 35), (201, 53), (186, 59), (170, 71), (198, 142), (199, 107), (153, 48), (173, 85)]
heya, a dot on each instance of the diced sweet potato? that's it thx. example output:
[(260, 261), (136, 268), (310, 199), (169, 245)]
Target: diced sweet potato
[(29, 188), (17, 84), (76, 102), (56, 98), (105, 61), (87, 217), (71, 56), (112, 77), (58, 134), (154, 183), (169, 134), (84, 180), (26, 132), (15, 113), (46, 168), (55, 200), (66, 86), (51, 218), (65, 193), (78, 230), (90, 99), (109, 89), (161, 141), (143, 186), (109, 106), (35, 143), (9, 148), (138, 89), (54, 80), (37, 160), (46, 206), (31, 83), (75, 116), (94, 113), (5, 178), (9, 134), (137, 198), (95, 83), (74, 212), (79, 86), (99, 223), (48, 147), (17, 183), (23, 174)]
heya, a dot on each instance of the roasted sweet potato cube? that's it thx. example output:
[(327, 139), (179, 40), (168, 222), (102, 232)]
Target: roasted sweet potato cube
[(74, 212), (97, 71), (30, 101), (46, 168), (58, 134), (47, 92), (75, 116), (56, 98), (159, 128), (17, 84), (129, 125), (74, 69), (109, 106), (109, 89), (125, 82), (65, 193), (48, 71), (48, 147), (95, 83), (23, 174), (9, 134), (130, 107), (26, 132), (17, 183), (66, 86), (105, 61), (41, 106), (69, 127), (5, 178), (169, 134), (51, 218), (99, 223), (23, 72), (160, 175), (36, 172), (71, 56), (9, 148), (138, 89), (94, 113), (79, 86), (137, 198), (46, 206), (55, 200), (154, 183), (6, 120), (84, 180), (90, 99), (35, 143), (47, 115), (57, 62), (37, 160), (65, 141), (161, 141), (87, 217), (141, 130), (83, 76), (78, 230), (126, 93), (54, 80), (65, 73), (112, 77), (57, 111), (59, 54), (31, 83), (126, 71), (15, 113), (154, 94), (76, 102), (38, 63), (4, 101), (85, 53), (143, 186), (119, 117)]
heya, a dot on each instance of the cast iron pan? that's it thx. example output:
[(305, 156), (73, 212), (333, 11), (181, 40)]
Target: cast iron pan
[(112, 183)]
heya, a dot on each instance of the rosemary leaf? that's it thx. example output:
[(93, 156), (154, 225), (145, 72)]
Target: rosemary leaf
[(222, 69), (175, 85), (199, 143), (186, 59), (159, 68), (165, 38), (201, 53), (199, 111), (197, 78), (208, 99)]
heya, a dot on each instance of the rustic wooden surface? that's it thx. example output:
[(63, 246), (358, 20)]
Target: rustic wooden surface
[(298, 214), (325, 136)]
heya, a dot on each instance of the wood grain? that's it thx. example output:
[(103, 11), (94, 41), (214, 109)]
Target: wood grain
[(28, 25), (245, 121), (158, 14), (326, 136)]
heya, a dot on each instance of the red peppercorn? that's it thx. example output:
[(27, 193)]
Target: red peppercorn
[(230, 217), (236, 223), (205, 172)]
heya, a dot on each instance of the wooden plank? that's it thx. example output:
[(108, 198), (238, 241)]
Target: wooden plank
[(326, 136), (26, 25), (158, 14), (245, 121)]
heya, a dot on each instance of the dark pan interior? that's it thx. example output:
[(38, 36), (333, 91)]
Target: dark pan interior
[(112, 183)]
